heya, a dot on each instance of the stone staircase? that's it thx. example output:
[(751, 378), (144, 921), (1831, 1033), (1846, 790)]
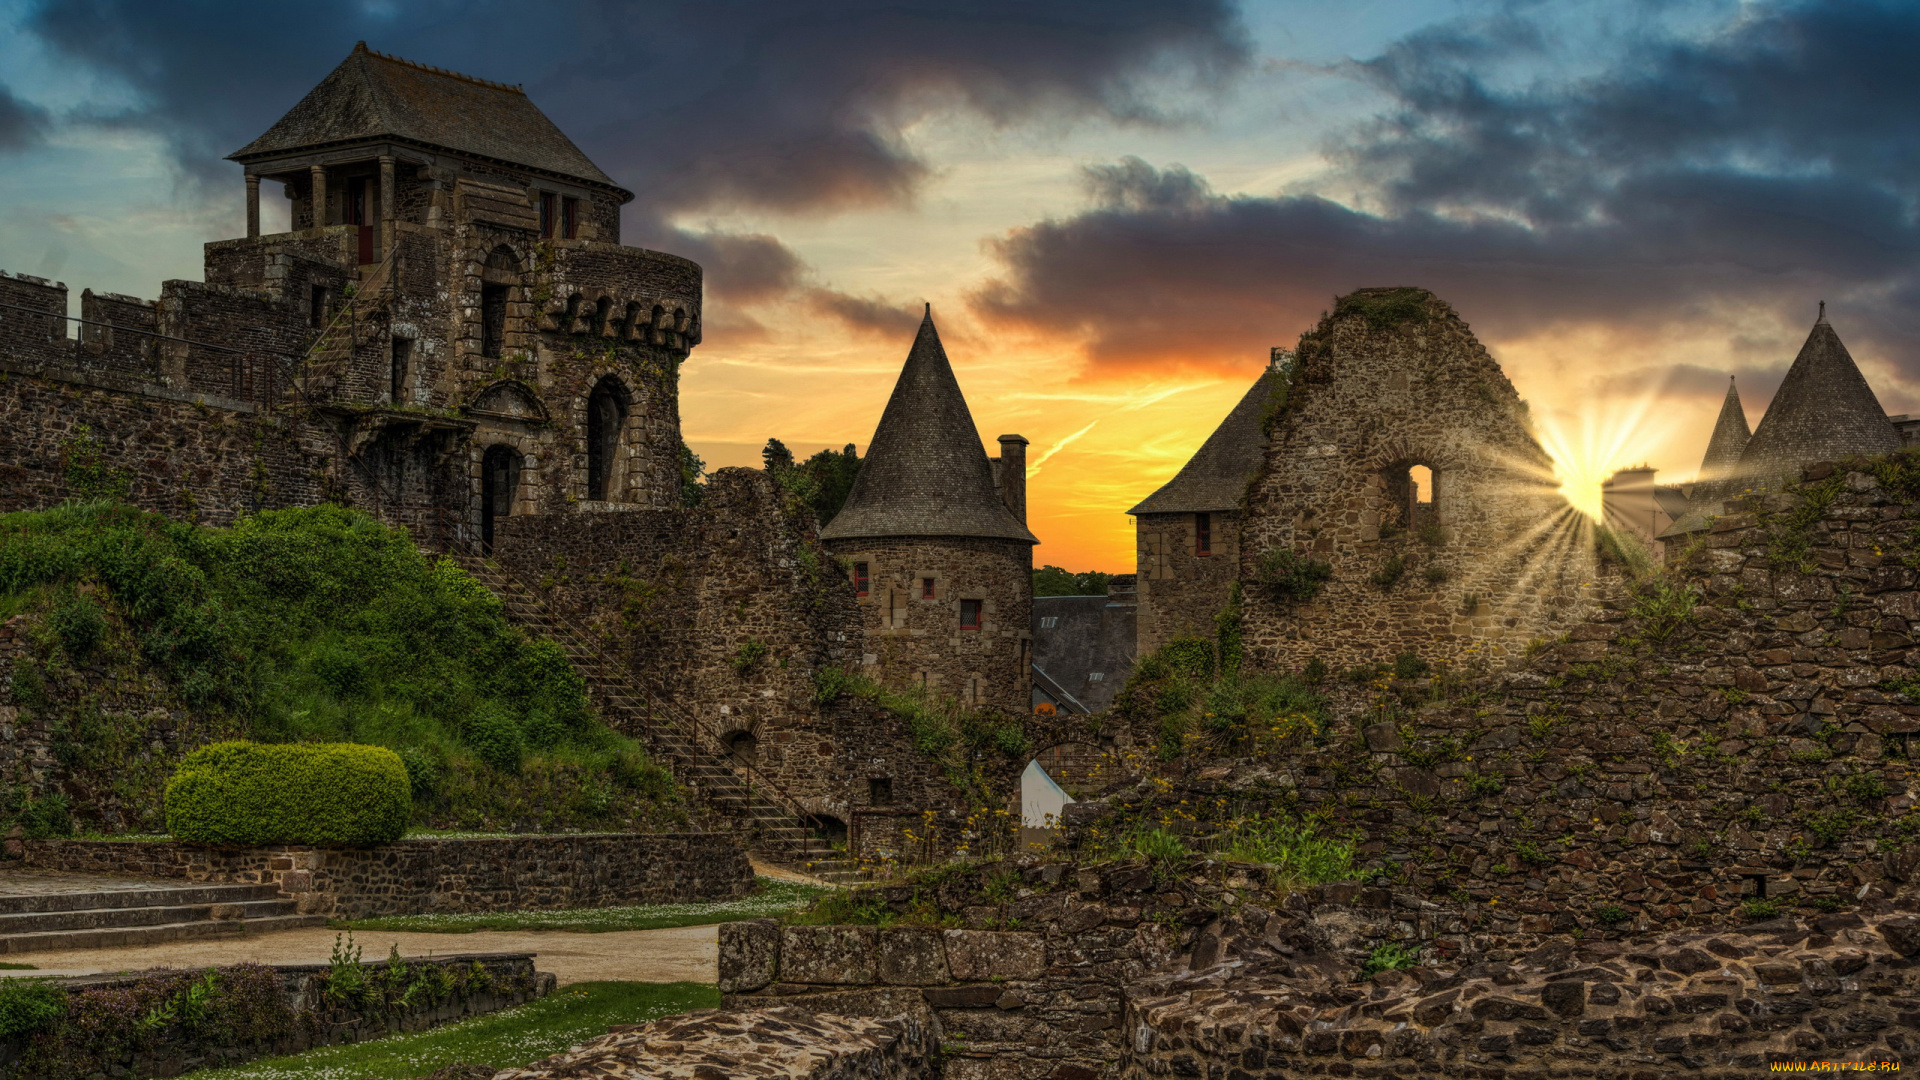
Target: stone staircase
[(677, 740), (43, 922), (320, 372)]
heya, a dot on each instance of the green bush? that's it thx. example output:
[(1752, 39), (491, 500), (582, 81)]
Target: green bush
[(242, 794), (1291, 577), (28, 1006)]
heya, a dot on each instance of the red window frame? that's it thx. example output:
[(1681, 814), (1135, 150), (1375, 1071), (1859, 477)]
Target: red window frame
[(970, 614), (926, 588), (860, 583), (1203, 534)]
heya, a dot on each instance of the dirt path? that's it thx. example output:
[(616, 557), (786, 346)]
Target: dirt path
[(686, 953)]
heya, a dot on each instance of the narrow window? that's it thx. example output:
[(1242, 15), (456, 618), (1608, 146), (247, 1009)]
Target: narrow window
[(317, 307), (860, 578), (926, 588), (969, 614), (1203, 534), (493, 320), (1049, 622), (1096, 676), (402, 353), (606, 416), (569, 217), (548, 212), (880, 791)]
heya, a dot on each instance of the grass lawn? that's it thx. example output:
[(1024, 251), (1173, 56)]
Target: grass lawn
[(570, 1016), (769, 898)]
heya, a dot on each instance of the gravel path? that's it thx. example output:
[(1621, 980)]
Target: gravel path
[(687, 953)]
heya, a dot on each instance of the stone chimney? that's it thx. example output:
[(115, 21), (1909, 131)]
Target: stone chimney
[(1011, 474)]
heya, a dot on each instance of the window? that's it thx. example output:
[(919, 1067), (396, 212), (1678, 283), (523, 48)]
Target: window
[(1412, 499), (1049, 622), (970, 614), (549, 213), (860, 578), (1203, 534), (402, 353), (317, 307), (1096, 676), (606, 416), (569, 218), (493, 320), (926, 588), (880, 791)]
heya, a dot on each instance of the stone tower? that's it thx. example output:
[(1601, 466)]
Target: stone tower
[(941, 559), (1188, 531), (495, 315), (1349, 555)]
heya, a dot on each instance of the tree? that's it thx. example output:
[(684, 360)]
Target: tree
[(821, 482), (692, 472), (1055, 581)]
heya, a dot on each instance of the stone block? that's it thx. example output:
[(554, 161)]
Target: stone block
[(749, 955), (911, 956), (986, 954), (1902, 934), (828, 955)]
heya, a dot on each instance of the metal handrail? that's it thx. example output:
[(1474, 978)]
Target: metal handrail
[(349, 315)]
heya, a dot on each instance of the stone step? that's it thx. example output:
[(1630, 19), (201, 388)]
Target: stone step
[(120, 936), (125, 898), (29, 922)]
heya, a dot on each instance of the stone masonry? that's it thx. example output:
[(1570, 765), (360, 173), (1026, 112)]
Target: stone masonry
[(782, 1043), (1490, 558)]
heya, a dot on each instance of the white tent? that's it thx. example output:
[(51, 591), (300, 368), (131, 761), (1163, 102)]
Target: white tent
[(1040, 798)]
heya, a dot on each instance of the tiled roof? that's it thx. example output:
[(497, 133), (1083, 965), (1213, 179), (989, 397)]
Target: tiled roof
[(1823, 411), (375, 96), (926, 472), (1215, 477)]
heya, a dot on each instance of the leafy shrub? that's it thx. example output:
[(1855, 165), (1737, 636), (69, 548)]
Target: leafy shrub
[(495, 737), (79, 623), (830, 684), (423, 772), (1435, 575), (28, 1006), (1390, 956), (1159, 845), (1390, 572), (744, 658), (1315, 672), (1613, 914), (1408, 665), (1289, 576), (241, 794), (1484, 784), (1385, 309), (1760, 909), (43, 817), (1663, 608)]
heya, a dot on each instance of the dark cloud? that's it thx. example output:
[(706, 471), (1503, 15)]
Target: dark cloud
[(866, 314), (696, 106), (1768, 164), (21, 124)]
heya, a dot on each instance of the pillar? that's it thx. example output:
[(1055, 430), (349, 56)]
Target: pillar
[(386, 205), (319, 198), (1013, 475), (253, 206)]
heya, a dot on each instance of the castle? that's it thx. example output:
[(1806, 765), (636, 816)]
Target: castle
[(452, 338)]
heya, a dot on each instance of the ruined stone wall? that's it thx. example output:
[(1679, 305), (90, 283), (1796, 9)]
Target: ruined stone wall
[(732, 611), (913, 635), (1391, 380), (1181, 591), (1736, 740), (441, 876), (765, 1044)]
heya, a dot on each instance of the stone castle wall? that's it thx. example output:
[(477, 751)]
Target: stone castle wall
[(1181, 592), (1735, 740), (441, 876), (731, 610), (916, 639), (1394, 379)]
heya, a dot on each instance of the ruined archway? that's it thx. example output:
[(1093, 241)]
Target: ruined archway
[(607, 409), (499, 483)]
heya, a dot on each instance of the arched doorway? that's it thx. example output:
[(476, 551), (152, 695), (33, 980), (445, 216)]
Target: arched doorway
[(827, 827), (606, 420), (499, 481), (743, 747), (497, 276)]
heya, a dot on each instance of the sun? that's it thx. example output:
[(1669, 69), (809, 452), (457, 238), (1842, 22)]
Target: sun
[(1590, 443)]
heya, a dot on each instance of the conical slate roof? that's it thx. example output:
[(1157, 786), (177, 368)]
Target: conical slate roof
[(925, 473), (375, 96), (1823, 411), (1215, 477), (1730, 435)]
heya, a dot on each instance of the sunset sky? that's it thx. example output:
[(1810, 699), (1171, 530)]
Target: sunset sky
[(1115, 207)]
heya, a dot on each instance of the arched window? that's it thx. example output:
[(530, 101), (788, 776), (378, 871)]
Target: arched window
[(603, 316), (1412, 498), (497, 277), (499, 482), (606, 419), (744, 746)]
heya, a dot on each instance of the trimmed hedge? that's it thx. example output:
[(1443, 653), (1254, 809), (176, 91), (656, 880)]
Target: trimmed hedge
[(243, 794)]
